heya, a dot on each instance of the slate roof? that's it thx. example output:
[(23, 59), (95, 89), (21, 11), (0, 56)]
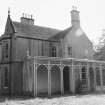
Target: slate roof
[(34, 30), (61, 34)]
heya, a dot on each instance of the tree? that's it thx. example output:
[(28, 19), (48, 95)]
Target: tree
[(100, 49)]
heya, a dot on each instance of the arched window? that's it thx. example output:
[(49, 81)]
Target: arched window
[(53, 51)]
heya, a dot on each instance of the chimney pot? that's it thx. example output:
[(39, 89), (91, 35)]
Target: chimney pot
[(75, 19), (27, 19)]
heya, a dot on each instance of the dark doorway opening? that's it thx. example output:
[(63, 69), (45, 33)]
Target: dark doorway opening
[(66, 79), (91, 73), (55, 80), (42, 81)]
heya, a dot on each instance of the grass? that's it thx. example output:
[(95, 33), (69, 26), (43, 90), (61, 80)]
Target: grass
[(90, 99)]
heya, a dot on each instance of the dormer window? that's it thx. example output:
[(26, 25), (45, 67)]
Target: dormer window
[(53, 51)]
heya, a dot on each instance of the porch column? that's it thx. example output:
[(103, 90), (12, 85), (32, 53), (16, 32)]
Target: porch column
[(62, 87), (73, 78), (24, 80), (101, 77), (49, 80), (70, 78), (88, 77), (94, 76), (80, 73), (34, 78)]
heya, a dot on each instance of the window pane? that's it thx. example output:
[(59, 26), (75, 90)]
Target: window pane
[(53, 51), (83, 70), (84, 83), (83, 75), (70, 51), (6, 46), (6, 50)]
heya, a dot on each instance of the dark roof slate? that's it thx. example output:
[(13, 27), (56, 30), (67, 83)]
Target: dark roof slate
[(33, 30), (61, 34)]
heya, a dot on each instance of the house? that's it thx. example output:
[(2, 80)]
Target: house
[(25, 39)]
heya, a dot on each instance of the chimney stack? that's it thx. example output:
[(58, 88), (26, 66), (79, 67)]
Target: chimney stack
[(75, 18), (27, 19)]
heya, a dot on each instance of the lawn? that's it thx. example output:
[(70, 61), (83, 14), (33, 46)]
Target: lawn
[(93, 99)]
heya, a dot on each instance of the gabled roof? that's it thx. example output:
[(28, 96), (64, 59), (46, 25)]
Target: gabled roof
[(61, 34), (33, 30)]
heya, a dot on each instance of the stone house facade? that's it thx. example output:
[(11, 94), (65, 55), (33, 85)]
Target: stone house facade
[(24, 39)]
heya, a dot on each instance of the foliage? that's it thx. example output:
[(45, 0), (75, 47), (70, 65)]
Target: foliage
[(100, 50)]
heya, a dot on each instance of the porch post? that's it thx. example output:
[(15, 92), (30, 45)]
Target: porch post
[(24, 82), (49, 79), (101, 77), (34, 78), (61, 72), (94, 76), (88, 80), (80, 67), (73, 79)]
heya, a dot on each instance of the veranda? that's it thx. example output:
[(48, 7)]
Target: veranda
[(49, 76)]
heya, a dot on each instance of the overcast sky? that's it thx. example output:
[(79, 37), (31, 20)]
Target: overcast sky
[(56, 14)]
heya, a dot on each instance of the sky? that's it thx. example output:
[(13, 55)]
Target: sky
[(56, 14)]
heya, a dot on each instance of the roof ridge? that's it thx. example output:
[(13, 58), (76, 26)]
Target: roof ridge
[(37, 26)]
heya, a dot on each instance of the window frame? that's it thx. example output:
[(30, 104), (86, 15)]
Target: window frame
[(84, 74), (98, 76), (70, 51), (5, 49), (53, 52)]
